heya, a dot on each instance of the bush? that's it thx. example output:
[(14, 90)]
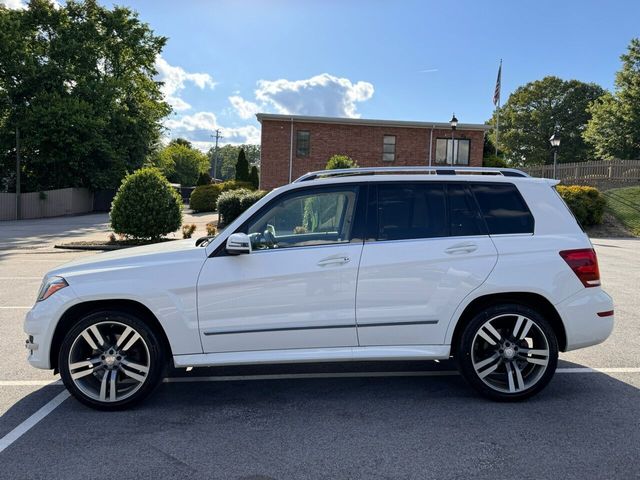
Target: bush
[(493, 161), (204, 179), (204, 198), (586, 203), (232, 203), (340, 161), (146, 206), (187, 230), (254, 177)]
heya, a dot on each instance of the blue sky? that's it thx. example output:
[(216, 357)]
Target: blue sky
[(405, 60)]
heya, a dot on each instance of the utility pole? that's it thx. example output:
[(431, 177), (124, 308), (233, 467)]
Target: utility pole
[(18, 199), (214, 169)]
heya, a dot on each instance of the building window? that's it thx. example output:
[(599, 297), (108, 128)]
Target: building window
[(458, 155), (303, 143), (389, 148)]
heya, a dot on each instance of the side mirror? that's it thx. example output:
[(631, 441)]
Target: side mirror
[(238, 243)]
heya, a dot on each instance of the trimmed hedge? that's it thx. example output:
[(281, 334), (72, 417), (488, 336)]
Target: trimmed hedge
[(586, 203), (204, 198), (146, 206), (232, 203)]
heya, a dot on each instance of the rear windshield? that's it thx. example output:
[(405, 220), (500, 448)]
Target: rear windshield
[(503, 208)]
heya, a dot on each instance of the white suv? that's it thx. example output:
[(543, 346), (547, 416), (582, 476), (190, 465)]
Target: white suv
[(488, 266)]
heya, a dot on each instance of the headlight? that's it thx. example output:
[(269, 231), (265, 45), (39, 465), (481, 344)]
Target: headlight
[(51, 286)]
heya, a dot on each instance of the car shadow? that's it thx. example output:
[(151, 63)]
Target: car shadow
[(357, 427)]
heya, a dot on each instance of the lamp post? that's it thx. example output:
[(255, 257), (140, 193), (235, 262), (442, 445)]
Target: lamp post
[(555, 143), (454, 123)]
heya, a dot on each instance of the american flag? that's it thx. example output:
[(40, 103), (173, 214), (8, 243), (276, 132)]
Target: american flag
[(496, 93)]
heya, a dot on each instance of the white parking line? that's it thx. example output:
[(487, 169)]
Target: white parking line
[(30, 422)]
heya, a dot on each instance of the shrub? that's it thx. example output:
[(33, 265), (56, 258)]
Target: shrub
[(146, 206), (232, 203), (340, 161), (493, 161), (254, 177), (187, 230), (204, 198), (211, 229), (586, 203), (204, 179)]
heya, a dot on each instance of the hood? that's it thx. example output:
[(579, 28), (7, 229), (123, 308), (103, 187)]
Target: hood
[(132, 257)]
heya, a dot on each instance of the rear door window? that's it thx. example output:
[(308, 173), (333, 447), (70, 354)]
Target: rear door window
[(411, 211), (503, 208), (464, 216)]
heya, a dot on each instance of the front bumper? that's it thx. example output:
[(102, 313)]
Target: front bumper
[(40, 324), (579, 313)]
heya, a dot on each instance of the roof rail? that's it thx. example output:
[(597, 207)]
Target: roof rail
[(346, 172)]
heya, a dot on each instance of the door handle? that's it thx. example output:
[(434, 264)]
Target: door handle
[(336, 260), (461, 248)]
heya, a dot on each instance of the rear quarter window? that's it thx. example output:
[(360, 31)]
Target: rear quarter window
[(503, 208)]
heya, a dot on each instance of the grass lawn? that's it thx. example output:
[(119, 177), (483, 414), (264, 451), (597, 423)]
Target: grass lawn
[(624, 204)]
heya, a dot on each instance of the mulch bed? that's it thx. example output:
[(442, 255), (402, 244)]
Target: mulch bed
[(106, 245)]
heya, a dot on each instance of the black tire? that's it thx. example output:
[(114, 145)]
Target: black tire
[(112, 320), (501, 383)]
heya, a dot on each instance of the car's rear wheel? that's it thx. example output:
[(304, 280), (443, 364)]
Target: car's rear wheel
[(111, 360), (508, 352)]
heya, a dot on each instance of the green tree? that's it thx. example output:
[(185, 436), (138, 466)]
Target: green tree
[(242, 167), (535, 111), (228, 156), (181, 141), (614, 128), (254, 177), (340, 161), (78, 83), (181, 164)]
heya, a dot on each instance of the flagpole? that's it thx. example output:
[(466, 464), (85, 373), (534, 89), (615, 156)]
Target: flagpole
[(498, 107)]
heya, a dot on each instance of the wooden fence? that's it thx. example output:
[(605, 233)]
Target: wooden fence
[(602, 171), (50, 203)]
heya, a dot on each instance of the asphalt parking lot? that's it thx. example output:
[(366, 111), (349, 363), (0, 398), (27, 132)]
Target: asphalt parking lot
[(404, 420)]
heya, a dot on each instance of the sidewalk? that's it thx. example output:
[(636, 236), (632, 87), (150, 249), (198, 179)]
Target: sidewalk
[(46, 232)]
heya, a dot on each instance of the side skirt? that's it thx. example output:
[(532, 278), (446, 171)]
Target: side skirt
[(306, 355)]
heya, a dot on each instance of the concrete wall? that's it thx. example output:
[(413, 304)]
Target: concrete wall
[(65, 201)]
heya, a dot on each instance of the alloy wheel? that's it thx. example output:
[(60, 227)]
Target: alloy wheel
[(510, 353), (109, 361)]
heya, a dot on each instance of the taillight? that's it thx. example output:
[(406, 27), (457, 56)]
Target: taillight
[(584, 264)]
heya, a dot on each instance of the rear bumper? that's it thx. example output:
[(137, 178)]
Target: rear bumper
[(579, 313)]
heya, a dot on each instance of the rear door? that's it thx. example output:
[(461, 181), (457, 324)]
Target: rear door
[(427, 249)]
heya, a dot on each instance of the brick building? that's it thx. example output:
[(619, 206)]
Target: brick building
[(294, 145)]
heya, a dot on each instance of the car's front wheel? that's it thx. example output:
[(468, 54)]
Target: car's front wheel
[(508, 352), (111, 360)]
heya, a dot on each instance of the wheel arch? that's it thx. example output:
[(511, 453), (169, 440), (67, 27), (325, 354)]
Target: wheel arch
[(79, 310), (534, 301)]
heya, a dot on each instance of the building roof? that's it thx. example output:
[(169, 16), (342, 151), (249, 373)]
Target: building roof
[(371, 122)]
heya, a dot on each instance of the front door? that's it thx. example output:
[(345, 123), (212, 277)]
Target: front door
[(297, 288), (429, 249)]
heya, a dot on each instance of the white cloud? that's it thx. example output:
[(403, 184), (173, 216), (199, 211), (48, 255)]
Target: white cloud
[(324, 94), (175, 80), (22, 4), (244, 108), (200, 127), (13, 4)]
